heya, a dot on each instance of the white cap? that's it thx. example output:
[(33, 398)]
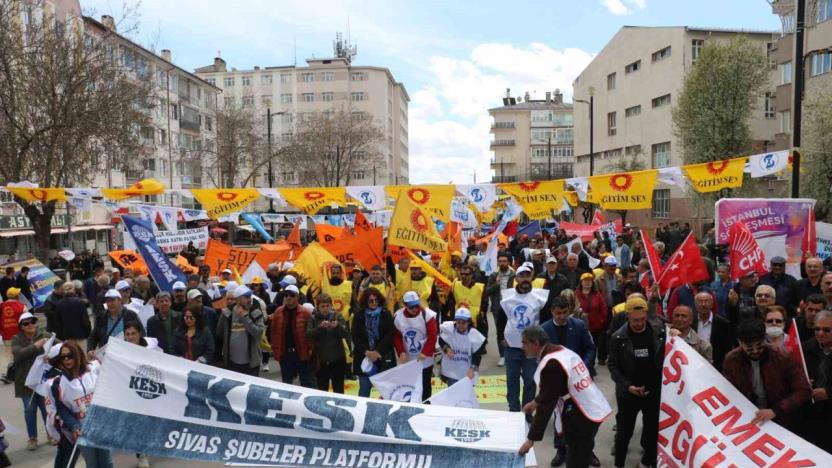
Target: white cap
[(551, 259), (287, 280), (227, 270), (112, 294), (194, 293), (524, 269), (610, 261), (288, 265), (462, 314), (25, 316), (308, 307), (122, 285), (231, 285), (241, 291), (411, 298), (292, 289), (179, 286)]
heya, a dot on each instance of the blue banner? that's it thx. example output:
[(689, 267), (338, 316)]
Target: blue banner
[(530, 229), (255, 222), (163, 271), (41, 279)]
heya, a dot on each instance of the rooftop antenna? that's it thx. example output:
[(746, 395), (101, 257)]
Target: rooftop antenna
[(343, 49), (295, 59)]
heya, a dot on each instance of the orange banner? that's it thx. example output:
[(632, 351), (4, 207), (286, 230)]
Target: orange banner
[(129, 259), (362, 224), (185, 265), (220, 256), (266, 257), (366, 250), (328, 233)]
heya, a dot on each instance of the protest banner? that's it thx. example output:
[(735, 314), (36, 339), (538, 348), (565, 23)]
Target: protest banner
[(220, 256), (777, 224), (462, 394), (162, 269), (192, 411), (366, 250), (41, 279), (705, 421), (824, 238), (172, 242), (129, 258)]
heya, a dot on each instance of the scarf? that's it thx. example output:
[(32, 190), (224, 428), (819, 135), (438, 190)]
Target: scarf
[(372, 321)]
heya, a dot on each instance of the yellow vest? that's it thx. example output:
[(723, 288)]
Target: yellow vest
[(539, 283), (619, 308), (470, 298), (402, 283), (341, 297), (423, 288)]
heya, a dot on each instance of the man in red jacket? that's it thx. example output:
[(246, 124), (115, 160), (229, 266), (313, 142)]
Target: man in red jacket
[(416, 332), (290, 346), (10, 312)]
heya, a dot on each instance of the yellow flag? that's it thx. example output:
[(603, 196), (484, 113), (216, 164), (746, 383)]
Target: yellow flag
[(429, 269), (411, 227), (311, 200), (716, 175), (220, 202), (434, 199), (139, 189), (537, 199), (38, 194), (571, 197), (312, 262), (624, 191)]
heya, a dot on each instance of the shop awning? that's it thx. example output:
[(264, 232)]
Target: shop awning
[(55, 230)]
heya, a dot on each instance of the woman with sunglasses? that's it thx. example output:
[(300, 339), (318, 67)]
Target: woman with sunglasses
[(193, 340), (72, 393), (27, 345), (372, 339), (775, 320)]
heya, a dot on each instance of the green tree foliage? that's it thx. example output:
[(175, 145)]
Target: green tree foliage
[(816, 149)]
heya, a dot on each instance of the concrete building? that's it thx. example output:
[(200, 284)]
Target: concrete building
[(323, 84), (817, 48), (532, 138), (633, 83)]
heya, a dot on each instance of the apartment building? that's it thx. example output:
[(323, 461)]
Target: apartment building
[(532, 138), (323, 84), (817, 48), (633, 84)]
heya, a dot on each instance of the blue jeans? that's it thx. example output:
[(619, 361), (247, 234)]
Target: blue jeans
[(31, 404), (291, 367), (96, 457), (517, 365), (364, 386)]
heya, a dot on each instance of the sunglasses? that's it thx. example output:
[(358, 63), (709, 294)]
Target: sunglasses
[(774, 321), (189, 317), (371, 300), (411, 307), (290, 294), (823, 329), (67, 357), (28, 322)]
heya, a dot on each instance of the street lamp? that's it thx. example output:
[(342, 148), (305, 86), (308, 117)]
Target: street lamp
[(591, 104), (269, 116)]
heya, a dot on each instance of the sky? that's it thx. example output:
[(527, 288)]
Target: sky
[(455, 58)]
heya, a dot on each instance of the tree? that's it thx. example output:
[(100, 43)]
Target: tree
[(712, 113), (329, 147), (816, 151), (626, 163), (68, 107)]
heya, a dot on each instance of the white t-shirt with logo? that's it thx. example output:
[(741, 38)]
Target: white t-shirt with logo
[(522, 311), (414, 332)]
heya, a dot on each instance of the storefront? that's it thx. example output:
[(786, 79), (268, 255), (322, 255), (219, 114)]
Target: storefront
[(88, 233)]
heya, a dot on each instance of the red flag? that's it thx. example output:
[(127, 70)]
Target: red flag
[(294, 236), (361, 223), (511, 228), (745, 254), (795, 347), (684, 266), (810, 238), (652, 255), (598, 217)]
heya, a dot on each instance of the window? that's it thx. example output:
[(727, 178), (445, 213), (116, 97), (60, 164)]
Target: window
[(661, 155), (564, 136), (307, 77), (661, 203), (209, 123), (787, 21), (821, 63), (286, 118), (266, 100), (246, 81), (542, 135), (611, 81), (824, 10), (661, 54), (632, 150), (163, 137), (661, 101), (329, 96), (611, 127), (696, 49), (229, 102), (357, 96), (785, 73), (307, 97), (786, 122), (228, 81), (285, 78), (632, 111), (248, 102), (633, 67), (769, 111), (327, 76), (771, 49), (174, 111), (266, 79), (285, 98), (358, 76), (358, 175), (210, 81)]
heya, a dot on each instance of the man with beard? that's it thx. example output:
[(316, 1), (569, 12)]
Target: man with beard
[(180, 296), (377, 280), (554, 282), (424, 286), (501, 279), (340, 290), (465, 292)]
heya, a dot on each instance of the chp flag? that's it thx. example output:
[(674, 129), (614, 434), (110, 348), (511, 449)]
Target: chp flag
[(745, 254), (685, 266), (705, 421), (192, 411)]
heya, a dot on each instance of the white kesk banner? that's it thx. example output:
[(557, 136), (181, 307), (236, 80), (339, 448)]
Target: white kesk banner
[(192, 411), (401, 383), (705, 421), (461, 395), (174, 241)]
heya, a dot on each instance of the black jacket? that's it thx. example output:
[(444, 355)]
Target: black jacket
[(71, 320), (722, 339), (100, 333), (554, 286), (819, 367), (361, 342), (202, 344), (156, 329), (622, 363)]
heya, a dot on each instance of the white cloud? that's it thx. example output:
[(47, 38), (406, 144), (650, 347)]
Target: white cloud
[(449, 121), (623, 7)]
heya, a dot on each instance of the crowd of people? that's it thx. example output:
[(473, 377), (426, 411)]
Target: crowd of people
[(363, 320)]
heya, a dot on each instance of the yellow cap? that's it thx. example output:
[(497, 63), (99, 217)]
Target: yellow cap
[(636, 303), (12, 292), (257, 280), (587, 276)]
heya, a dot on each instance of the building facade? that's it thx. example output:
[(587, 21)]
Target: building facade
[(817, 48), (633, 84), (292, 92), (532, 139)]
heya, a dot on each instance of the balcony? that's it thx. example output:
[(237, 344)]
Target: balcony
[(502, 162), (502, 143), (502, 125), (191, 180)]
